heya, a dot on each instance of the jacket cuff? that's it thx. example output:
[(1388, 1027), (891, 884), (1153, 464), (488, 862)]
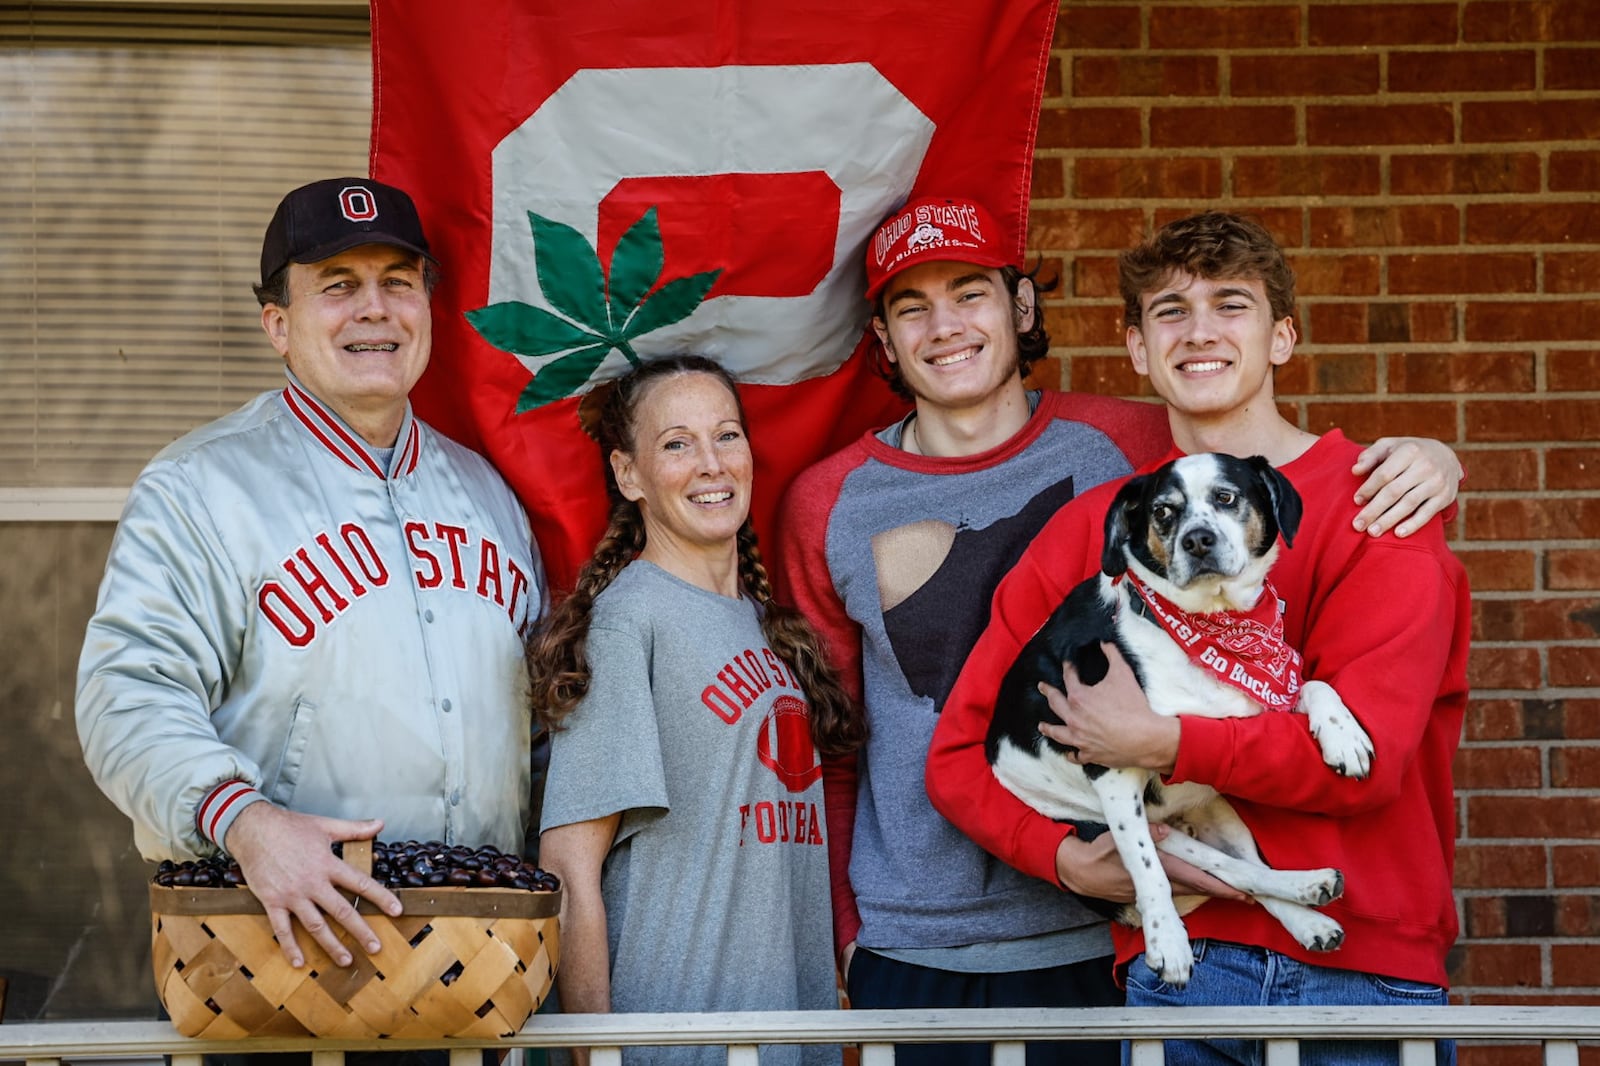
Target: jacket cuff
[(221, 806)]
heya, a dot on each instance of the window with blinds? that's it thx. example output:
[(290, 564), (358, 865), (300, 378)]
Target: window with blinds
[(142, 151)]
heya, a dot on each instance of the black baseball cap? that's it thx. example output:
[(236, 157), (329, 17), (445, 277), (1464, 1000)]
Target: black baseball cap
[(336, 214)]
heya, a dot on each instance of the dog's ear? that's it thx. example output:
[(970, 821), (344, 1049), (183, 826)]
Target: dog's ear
[(1125, 514), (1286, 506)]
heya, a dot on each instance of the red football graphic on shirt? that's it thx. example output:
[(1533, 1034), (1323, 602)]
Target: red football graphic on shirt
[(784, 745)]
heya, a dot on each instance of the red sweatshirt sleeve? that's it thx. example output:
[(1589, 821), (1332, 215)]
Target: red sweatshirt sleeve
[(1377, 633), (960, 783), (802, 564)]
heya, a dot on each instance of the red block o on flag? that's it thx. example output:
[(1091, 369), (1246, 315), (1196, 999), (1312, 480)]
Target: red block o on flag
[(702, 180)]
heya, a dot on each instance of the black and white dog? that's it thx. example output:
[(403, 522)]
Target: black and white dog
[(1184, 596)]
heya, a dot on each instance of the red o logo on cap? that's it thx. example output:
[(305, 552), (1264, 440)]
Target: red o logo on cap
[(784, 745), (357, 204)]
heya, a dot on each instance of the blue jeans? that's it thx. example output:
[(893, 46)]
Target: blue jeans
[(1235, 975)]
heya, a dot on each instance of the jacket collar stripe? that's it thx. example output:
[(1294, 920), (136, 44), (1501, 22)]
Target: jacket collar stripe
[(311, 412)]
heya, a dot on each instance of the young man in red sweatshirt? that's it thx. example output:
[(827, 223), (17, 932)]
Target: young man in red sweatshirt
[(1385, 621)]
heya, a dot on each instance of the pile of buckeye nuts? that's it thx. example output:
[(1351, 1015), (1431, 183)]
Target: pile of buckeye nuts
[(406, 864)]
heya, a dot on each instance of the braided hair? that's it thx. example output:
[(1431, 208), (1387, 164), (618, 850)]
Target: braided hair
[(557, 650)]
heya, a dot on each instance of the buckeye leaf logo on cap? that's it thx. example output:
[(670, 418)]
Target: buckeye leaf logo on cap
[(598, 313)]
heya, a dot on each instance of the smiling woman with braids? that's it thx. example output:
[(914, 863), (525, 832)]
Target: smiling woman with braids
[(683, 807)]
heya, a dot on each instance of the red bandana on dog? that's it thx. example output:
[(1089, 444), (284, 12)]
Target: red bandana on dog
[(1244, 649)]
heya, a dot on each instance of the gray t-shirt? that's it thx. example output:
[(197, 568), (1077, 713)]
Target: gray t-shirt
[(716, 888)]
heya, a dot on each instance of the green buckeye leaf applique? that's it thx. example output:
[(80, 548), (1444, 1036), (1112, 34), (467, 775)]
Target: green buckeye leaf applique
[(594, 314)]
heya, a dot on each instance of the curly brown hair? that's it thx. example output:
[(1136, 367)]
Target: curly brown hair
[(557, 650), (1211, 245)]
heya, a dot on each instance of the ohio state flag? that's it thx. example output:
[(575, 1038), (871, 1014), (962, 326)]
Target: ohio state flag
[(607, 182)]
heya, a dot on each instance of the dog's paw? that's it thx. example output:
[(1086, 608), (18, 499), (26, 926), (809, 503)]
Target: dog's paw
[(1317, 932), (1168, 953), (1346, 748), (1320, 887)]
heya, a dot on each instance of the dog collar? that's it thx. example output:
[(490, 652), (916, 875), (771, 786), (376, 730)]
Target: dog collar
[(1245, 649)]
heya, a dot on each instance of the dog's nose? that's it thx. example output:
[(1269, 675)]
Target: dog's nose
[(1199, 542)]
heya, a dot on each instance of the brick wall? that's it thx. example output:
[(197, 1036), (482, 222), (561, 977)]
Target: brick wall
[(1434, 170)]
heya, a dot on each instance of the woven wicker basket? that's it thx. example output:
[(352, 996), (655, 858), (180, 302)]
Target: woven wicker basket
[(467, 962)]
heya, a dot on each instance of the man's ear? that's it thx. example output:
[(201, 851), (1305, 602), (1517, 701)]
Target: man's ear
[(622, 470), (275, 322), (1136, 352), (1027, 304), (882, 330), (1284, 336)]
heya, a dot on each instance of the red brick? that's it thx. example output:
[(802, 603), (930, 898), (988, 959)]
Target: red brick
[(1572, 68), (1336, 323), (1479, 172), (1090, 127), (1533, 223), (1074, 229), (1509, 668), (1372, 419), (1094, 275), (1578, 916), (1574, 171), (1384, 227), (1501, 468), (1493, 720), (1525, 519), (1541, 20), (1080, 26), (1580, 719), (1461, 72), (1336, 275), (1500, 866), (1048, 180), (1553, 998), (1572, 468), (1575, 865), (1227, 27), (1567, 371), (1345, 74), (1414, 372), (1574, 964), (1107, 375), (1491, 121), (1138, 75), (1144, 178), (1532, 620), (1519, 420), (1327, 373), (1534, 816), (1220, 127), (1083, 326), (1497, 1054), (1520, 322), (1486, 768), (1498, 569), (1306, 175), (1485, 918), (1575, 767), (1052, 79), (1496, 964), (1432, 323), (1571, 271), (1571, 569), (1448, 274), (1407, 124), (1369, 25), (1574, 666)]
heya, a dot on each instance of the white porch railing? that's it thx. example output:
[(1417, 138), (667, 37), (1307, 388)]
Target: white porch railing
[(1558, 1029)]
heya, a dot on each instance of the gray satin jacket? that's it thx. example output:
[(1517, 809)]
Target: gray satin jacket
[(280, 609)]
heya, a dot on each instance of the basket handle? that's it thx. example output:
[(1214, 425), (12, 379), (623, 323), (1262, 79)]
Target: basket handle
[(358, 853)]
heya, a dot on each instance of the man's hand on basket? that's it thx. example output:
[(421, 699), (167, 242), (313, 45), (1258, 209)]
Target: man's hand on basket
[(288, 861)]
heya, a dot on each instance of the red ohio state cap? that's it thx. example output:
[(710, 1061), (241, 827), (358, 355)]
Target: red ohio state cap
[(934, 229)]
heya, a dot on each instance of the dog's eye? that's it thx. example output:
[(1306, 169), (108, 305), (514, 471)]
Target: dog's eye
[(1162, 513), (1225, 498)]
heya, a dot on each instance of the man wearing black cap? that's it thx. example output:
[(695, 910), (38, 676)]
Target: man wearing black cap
[(310, 627)]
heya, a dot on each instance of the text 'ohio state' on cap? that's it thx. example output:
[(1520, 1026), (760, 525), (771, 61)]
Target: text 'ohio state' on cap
[(334, 215), (934, 229)]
